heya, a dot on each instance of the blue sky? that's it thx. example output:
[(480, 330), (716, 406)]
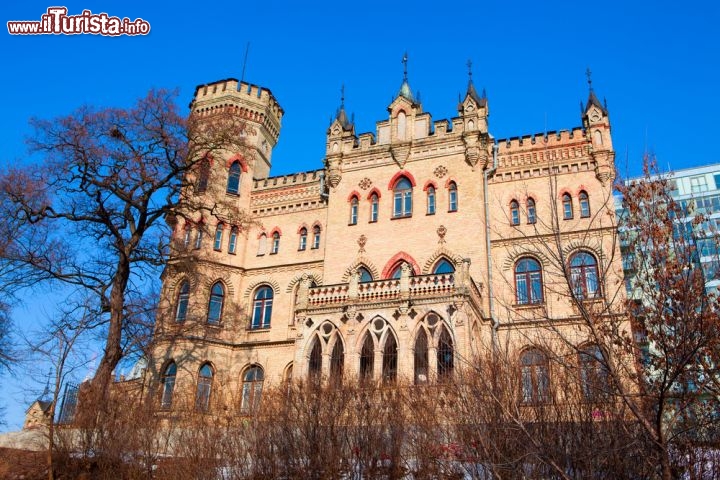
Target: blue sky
[(657, 63)]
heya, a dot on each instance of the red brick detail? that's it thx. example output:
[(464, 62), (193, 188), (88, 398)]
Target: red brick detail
[(396, 177), (400, 256)]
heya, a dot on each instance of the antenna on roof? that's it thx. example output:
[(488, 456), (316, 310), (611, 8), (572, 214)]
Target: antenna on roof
[(405, 62), (247, 49), (588, 74)]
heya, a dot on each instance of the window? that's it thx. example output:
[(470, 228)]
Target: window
[(262, 244), (215, 306), (204, 388), (531, 215), (445, 355), (396, 272), (421, 358), (528, 281), (303, 239), (186, 236), (203, 176), (534, 376), (514, 213), (251, 389), (402, 195), (698, 184), (367, 358), (168, 385), (365, 275), (593, 374), (353, 211), (452, 197), (315, 362), (567, 207), (584, 275), (262, 308), (716, 177), (374, 207), (337, 362), (233, 184), (443, 266), (316, 237), (390, 359), (275, 243), (584, 204), (181, 305), (232, 243), (198, 237), (431, 200), (217, 244)]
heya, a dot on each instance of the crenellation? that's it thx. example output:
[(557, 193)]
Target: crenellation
[(292, 178)]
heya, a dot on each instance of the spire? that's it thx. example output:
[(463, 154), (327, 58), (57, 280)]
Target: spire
[(340, 115), (592, 98), (405, 90), (471, 92)]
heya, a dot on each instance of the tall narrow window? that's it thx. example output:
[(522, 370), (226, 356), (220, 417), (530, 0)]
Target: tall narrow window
[(262, 244), (567, 207), (233, 185), (186, 235), (445, 355), (584, 275), (514, 213), (203, 176), (315, 362), (337, 362), (353, 211), (215, 306), (534, 376), (251, 389), (528, 281), (452, 197), (275, 243), (204, 388), (303, 239), (431, 200), (217, 244), (168, 385), (367, 358), (316, 237), (262, 308), (390, 359), (374, 207), (584, 204), (421, 358), (593, 374), (183, 298), (232, 243), (531, 215), (198, 237), (402, 196)]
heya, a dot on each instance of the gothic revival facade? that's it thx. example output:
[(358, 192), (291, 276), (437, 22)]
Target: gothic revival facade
[(412, 250)]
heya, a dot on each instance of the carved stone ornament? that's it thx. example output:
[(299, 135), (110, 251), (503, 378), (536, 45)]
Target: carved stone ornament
[(365, 183), (441, 231), (362, 240), (440, 171)]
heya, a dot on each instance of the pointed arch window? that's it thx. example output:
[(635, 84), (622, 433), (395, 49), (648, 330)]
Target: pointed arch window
[(396, 272), (316, 237), (367, 359), (181, 305), (303, 239), (353, 211), (445, 356), (233, 184), (567, 206), (204, 388), (262, 308), (217, 244), (584, 275), (232, 242), (365, 275), (215, 306), (374, 207), (390, 359), (402, 198), (337, 362), (531, 214), (315, 361), (452, 197), (443, 266), (252, 389), (168, 386), (431, 200), (534, 379), (421, 358), (514, 213), (584, 204), (203, 176), (275, 243), (528, 281)]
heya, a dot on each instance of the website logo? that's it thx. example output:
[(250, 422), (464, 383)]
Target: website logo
[(57, 22)]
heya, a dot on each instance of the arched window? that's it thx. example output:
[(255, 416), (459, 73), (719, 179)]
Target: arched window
[(233, 184), (365, 275), (452, 197), (584, 204), (431, 200), (445, 355), (303, 239), (204, 388), (534, 376), (367, 358), (396, 271), (390, 359), (275, 243), (593, 373), (584, 275), (443, 266), (262, 244), (217, 244), (315, 361), (316, 237), (374, 207), (337, 362), (203, 176), (402, 196), (567, 206), (251, 389), (421, 358), (168, 385), (181, 305), (215, 306), (531, 215), (353, 211), (401, 125), (232, 243), (514, 213), (199, 237), (262, 308), (528, 281)]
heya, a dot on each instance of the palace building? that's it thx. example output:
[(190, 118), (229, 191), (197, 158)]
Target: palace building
[(404, 255)]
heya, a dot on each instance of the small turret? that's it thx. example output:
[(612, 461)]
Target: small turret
[(340, 138), (596, 122)]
